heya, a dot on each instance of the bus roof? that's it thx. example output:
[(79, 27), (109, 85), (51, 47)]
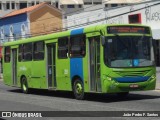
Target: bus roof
[(66, 33)]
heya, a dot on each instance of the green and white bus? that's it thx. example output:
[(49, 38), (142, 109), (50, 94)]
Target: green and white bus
[(97, 59)]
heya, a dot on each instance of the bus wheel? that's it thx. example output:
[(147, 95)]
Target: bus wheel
[(122, 94), (24, 85), (78, 89)]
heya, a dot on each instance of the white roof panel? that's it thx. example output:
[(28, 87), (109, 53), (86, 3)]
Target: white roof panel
[(122, 1), (70, 2)]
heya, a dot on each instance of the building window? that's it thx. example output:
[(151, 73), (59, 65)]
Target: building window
[(114, 5), (32, 3), (11, 30), (23, 28), (22, 5), (37, 2), (96, 3), (77, 46), (23, 31), (13, 5), (106, 5), (70, 6), (87, 3), (0, 6), (2, 31), (27, 51), (7, 6), (80, 6), (7, 53), (62, 6), (134, 19), (63, 47), (38, 53), (57, 4)]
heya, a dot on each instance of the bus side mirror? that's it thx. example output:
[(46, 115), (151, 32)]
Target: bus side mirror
[(103, 41)]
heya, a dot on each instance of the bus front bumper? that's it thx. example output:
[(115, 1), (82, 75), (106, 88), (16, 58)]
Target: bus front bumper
[(112, 86)]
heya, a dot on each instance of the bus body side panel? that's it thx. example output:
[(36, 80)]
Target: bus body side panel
[(8, 70), (76, 64), (86, 69), (24, 70), (63, 73), (7, 76), (38, 74)]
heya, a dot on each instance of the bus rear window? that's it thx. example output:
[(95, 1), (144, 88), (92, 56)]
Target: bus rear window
[(7, 54)]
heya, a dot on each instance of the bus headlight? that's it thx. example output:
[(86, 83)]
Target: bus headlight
[(153, 76), (109, 78), (105, 77)]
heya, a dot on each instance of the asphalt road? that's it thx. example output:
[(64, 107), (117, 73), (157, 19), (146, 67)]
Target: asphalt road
[(12, 99)]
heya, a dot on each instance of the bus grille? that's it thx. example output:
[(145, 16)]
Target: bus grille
[(132, 73)]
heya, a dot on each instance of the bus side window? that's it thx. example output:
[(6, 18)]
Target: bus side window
[(7, 54), (27, 52), (63, 48), (38, 52), (20, 53), (77, 46)]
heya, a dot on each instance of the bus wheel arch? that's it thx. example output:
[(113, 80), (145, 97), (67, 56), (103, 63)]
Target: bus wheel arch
[(24, 84), (78, 88)]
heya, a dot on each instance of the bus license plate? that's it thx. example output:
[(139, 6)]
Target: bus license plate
[(134, 86)]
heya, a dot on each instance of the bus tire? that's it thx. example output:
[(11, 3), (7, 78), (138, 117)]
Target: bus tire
[(24, 85), (122, 94), (78, 89)]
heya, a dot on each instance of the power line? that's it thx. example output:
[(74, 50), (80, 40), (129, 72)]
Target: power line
[(80, 25)]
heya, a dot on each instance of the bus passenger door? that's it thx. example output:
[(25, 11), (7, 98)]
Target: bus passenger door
[(14, 66), (94, 63), (51, 66)]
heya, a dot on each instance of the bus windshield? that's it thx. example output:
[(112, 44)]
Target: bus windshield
[(128, 51)]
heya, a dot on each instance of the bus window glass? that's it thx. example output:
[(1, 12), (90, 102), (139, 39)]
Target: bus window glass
[(27, 52), (63, 47), (20, 53), (128, 51), (38, 51), (7, 54), (77, 46)]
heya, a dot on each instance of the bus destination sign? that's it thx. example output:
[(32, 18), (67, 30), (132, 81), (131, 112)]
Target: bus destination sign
[(128, 29)]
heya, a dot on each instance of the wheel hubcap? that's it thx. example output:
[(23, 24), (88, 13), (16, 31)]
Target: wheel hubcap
[(78, 88), (24, 87)]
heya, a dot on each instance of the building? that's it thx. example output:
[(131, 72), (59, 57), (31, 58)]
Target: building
[(71, 6), (67, 6), (6, 6), (31, 21)]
